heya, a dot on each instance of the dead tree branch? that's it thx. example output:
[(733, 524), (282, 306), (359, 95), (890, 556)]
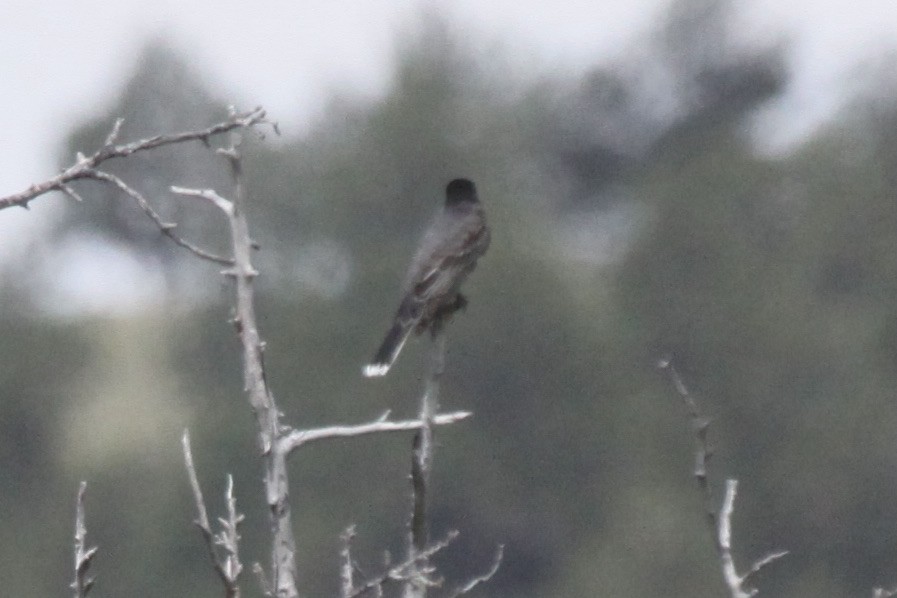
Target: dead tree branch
[(229, 567), (283, 580), (405, 571), (734, 581), (87, 168), (347, 567), (720, 526), (470, 585), (703, 453), (85, 165), (296, 438), (83, 555), (421, 466), (166, 228)]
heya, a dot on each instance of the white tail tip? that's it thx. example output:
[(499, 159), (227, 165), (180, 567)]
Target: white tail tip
[(372, 370)]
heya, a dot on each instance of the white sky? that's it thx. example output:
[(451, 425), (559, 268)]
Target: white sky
[(58, 58)]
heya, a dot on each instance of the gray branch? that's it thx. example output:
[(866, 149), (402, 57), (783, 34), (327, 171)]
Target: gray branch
[(405, 571), (83, 165), (229, 567), (167, 228), (720, 527), (470, 585), (347, 568), (703, 453), (283, 551), (283, 578), (83, 555), (734, 581), (421, 466), (296, 438)]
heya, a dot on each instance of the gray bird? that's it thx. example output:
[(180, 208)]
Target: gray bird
[(448, 252)]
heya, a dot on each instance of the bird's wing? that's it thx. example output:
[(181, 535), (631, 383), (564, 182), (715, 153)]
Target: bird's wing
[(442, 267)]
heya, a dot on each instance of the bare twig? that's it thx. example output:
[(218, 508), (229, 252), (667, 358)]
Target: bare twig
[(296, 438), (83, 556), (209, 195), (720, 527), (406, 570), (229, 567), (347, 569), (734, 581), (112, 137), (84, 164), (421, 466), (703, 453), (470, 585), (167, 228)]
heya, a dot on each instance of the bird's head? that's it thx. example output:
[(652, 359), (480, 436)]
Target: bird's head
[(460, 191)]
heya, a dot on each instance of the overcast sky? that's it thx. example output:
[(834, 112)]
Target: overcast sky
[(59, 59)]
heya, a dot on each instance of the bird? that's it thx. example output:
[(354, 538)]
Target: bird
[(448, 252)]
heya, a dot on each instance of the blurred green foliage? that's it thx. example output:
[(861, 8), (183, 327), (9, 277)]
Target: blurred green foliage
[(632, 219)]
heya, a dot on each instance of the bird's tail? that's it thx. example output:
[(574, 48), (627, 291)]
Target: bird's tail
[(389, 350), (406, 320)]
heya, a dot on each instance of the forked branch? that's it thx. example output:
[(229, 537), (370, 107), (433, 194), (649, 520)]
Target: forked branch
[(720, 526)]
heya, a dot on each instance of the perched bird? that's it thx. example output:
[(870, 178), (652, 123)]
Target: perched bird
[(447, 253)]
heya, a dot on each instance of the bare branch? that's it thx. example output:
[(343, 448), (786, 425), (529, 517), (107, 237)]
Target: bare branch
[(347, 570), (283, 581), (470, 585), (167, 228), (67, 189), (83, 556), (421, 466), (84, 164), (733, 580), (224, 205), (297, 438), (406, 570), (720, 528), (228, 568), (229, 538), (202, 517), (703, 453), (112, 137)]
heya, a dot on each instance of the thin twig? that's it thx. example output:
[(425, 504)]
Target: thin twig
[(229, 567), (347, 569), (83, 556), (83, 164), (167, 228), (733, 580), (470, 585), (720, 526), (703, 453), (405, 570), (297, 438)]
